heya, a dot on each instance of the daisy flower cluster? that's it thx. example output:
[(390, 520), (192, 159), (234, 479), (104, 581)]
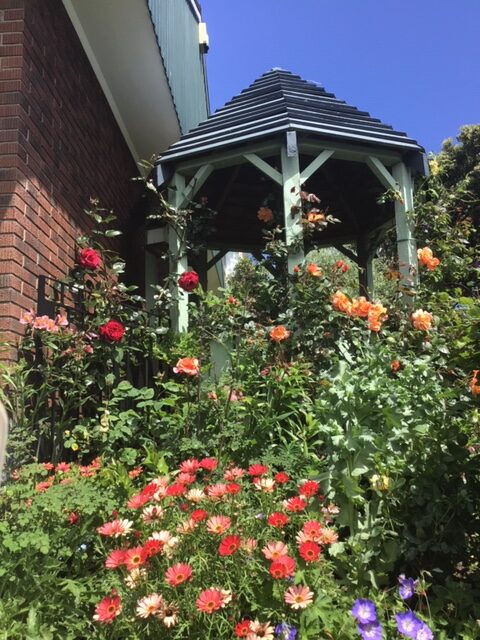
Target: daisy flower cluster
[(47, 474), (208, 547)]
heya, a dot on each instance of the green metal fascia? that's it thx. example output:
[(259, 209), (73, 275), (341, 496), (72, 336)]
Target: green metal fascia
[(177, 30)]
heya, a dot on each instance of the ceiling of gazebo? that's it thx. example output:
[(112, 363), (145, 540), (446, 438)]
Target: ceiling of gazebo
[(347, 190)]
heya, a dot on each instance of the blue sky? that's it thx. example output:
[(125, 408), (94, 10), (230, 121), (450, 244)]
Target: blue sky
[(415, 64)]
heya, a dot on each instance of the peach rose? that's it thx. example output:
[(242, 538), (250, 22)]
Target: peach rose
[(422, 320), (280, 333), (188, 366)]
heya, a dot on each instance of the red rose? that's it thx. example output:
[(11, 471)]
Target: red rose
[(188, 281), (89, 259), (112, 331)]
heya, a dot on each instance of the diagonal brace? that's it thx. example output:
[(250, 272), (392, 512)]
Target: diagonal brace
[(195, 184), (382, 173), (316, 164), (264, 167)]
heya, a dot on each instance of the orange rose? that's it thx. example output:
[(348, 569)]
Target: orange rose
[(474, 386), (280, 333), (422, 320), (343, 266), (188, 366), (360, 307), (376, 315), (315, 216), (395, 365), (313, 270), (426, 257), (340, 302), (265, 214)]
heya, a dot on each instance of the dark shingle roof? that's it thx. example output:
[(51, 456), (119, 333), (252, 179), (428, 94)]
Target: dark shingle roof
[(281, 101)]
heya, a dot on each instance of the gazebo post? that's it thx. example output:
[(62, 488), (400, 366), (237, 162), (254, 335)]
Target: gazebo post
[(291, 210), (407, 250), (178, 257), (365, 254)]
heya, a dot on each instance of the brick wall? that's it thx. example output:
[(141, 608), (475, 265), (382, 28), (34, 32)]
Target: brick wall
[(59, 145)]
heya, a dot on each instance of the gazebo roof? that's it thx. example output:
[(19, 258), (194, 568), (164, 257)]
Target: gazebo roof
[(281, 101)]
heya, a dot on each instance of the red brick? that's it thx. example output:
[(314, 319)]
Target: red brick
[(12, 38), (12, 4), (11, 26), (68, 148), (13, 14)]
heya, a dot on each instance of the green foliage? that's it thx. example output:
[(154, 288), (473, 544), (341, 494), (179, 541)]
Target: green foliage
[(386, 417), (50, 569)]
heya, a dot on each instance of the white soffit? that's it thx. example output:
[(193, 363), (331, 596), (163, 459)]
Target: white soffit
[(121, 45)]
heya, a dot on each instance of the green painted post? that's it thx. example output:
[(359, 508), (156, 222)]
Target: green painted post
[(178, 258), (365, 255), (291, 201), (407, 248)]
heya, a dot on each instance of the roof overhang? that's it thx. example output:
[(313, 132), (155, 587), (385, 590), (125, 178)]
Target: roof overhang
[(119, 40)]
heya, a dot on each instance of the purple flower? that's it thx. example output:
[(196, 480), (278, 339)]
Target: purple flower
[(364, 611), (423, 632), (285, 631), (370, 631), (407, 586), (408, 624)]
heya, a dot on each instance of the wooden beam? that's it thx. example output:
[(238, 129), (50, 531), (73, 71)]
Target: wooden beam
[(347, 252), (291, 206), (316, 164), (365, 252), (213, 261), (230, 157), (259, 258), (264, 167), (350, 152), (381, 172), (407, 249), (195, 184)]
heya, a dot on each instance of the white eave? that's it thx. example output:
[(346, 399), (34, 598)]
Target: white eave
[(120, 42)]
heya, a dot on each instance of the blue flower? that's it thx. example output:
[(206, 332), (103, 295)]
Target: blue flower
[(407, 586), (285, 631), (370, 631), (423, 632), (364, 611), (408, 624)]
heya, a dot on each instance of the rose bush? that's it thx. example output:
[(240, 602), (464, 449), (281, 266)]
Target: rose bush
[(375, 400)]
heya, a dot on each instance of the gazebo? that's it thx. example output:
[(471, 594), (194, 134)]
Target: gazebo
[(279, 134)]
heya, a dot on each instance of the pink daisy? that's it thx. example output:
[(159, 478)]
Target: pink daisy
[(218, 524), (298, 597)]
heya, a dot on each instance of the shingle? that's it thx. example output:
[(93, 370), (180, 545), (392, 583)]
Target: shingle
[(281, 101)]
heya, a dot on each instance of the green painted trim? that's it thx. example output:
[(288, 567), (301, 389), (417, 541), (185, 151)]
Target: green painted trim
[(316, 164), (381, 172), (228, 158), (407, 248), (291, 200), (195, 184), (343, 151), (264, 167), (178, 258)]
